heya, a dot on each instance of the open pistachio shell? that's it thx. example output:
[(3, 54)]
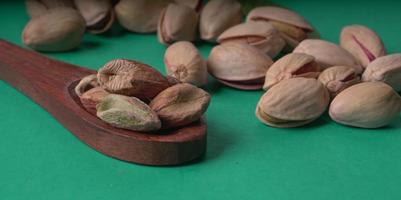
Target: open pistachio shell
[(177, 22), (363, 43), (36, 8), (366, 105), (239, 65), (217, 16), (328, 54), (338, 78), (385, 69), (293, 102), (86, 83), (258, 34), (291, 66), (98, 14)]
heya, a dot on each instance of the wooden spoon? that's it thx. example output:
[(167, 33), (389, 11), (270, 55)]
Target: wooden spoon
[(51, 84)]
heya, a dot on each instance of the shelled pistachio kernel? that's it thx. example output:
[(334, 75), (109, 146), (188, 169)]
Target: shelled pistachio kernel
[(217, 16), (363, 43), (127, 113), (184, 62), (294, 28), (98, 14), (180, 105), (86, 83), (92, 97), (328, 54), (292, 103), (338, 78), (366, 105), (239, 65), (291, 66), (131, 78), (261, 35), (385, 69)]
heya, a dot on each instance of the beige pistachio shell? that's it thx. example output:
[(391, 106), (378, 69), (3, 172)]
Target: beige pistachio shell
[(140, 16), (86, 83), (363, 43), (366, 105), (59, 29), (385, 69), (217, 16), (293, 102), (261, 35), (131, 78), (92, 97), (194, 4), (98, 14), (328, 54), (338, 78), (184, 62), (291, 66), (180, 105), (238, 62), (127, 113), (35, 8), (177, 22)]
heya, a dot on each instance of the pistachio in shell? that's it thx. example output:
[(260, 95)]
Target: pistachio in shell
[(86, 83), (258, 34), (35, 8), (98, 14), (366, 105), (127, 113), (291, 66), (217, 16), (184, 62), (239, 65), (292, 103), (177, 22), (338, 78), (328, 54), (363, 43), (131, 78), (92, 97), (194, 4), (59, 29)]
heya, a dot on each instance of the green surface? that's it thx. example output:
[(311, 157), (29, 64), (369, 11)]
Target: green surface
[(40, 159)]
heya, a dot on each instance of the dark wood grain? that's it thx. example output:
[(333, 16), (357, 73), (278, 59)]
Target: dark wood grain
[(50, 83)]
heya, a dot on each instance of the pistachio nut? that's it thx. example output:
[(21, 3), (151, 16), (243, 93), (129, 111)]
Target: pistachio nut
[(217, 16), (180, 105), (239, 65), (363, 43), (385, 69), (59, 29), (258, 34), (291, 66), (293, 27), (127, 113), (98, 14), (86, 83), (92, 97), (35, 8), (338, 78), (328, 54), (292, 103), (366, 105), (184, 62), (177, 22), (131, 78), (140, 15), (194, 4)]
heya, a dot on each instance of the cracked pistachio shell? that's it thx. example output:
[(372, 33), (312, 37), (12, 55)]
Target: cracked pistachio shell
[(36, 8), (194, 4), (131, 78), (292, 103), (92, 97), (385, 69), (184, 62), (59, 29), (328, 54), (140, 16), (239, 65), (180, 105), (127, 113), (261, 35), (86, 83), (177, 22), (217, 16), (291, 66), (366, 105), (338, 78), (98, 14), (363, 43)]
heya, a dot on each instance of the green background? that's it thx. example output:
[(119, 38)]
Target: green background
[(40, 159)]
